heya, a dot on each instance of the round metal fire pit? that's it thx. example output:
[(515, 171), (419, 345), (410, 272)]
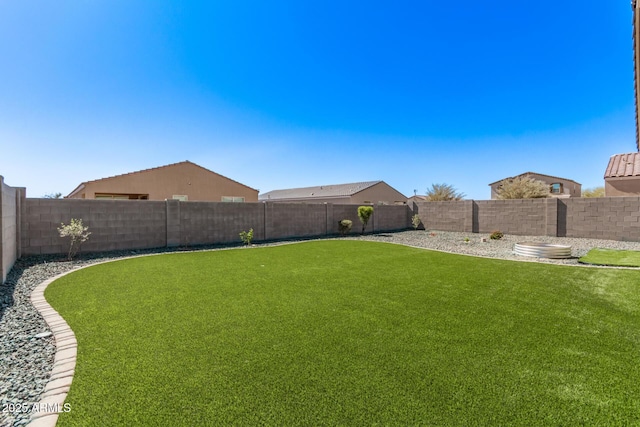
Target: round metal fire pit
[(542, 250)]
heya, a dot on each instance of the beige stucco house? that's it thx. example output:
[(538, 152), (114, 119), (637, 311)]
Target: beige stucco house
[(184, 181), (558, 187), (622, 177), (371, 192)]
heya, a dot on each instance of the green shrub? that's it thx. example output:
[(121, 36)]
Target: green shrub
[(415, 220), (496, 235), (364, 213), (246, 236), (345, 226)]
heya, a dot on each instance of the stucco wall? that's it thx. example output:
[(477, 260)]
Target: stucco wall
[(180, 179), (621, 187)]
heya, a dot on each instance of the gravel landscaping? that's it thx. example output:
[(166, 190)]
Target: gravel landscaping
[(26, 357)]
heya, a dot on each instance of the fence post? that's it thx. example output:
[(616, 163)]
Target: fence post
[(468, 216), (173, 223), (551, 212)]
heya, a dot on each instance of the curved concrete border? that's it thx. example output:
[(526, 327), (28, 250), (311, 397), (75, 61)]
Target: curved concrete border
[(64, 363)]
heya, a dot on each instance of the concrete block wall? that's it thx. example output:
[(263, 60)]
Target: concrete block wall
[(203, 223), (10, 198), (29, 226), (114, 224), (523, 216), (446, 216), (616, 218), (139, 224), (287, 220)]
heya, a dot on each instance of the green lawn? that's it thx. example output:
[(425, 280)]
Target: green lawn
[(612, 257), (350, 333)]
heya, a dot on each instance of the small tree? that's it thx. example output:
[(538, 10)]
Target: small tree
[(443, 193), (364, 213), (78, 234), (522, 188), (53, 196), (246, 236), (415, 221), (593, 192)]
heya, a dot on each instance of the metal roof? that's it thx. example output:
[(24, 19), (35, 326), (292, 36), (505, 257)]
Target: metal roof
[(621, 165), (318, 192)]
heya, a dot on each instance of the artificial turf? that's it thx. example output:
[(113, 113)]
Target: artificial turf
[(350, 333), (612, 257)]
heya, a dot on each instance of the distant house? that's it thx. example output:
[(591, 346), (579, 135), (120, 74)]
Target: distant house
[(622, 177), (184, 181), (371, 192), (558, 187), (415, 199)]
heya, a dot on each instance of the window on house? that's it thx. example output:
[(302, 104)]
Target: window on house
[(232, 199), (181, 197), (556, 188), (122, 196)]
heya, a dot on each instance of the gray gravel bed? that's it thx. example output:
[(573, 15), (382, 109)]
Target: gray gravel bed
[(26, 361), (449, 241)]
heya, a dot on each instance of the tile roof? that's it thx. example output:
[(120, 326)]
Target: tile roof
[(318, 192), (622, 165)]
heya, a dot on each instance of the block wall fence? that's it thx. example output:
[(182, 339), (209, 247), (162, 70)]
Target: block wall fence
[(29, 226), (10, 198), (611, 218)]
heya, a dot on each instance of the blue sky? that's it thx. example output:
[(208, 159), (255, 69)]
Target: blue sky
[(285, 94)]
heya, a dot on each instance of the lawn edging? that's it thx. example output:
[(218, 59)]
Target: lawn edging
[(55, 393)]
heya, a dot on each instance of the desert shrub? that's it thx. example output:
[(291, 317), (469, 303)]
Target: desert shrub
[(344, 226), (443, 193), (593, 192), (364, 213), (522, 188), (77, 233), (415, 220), (246, 236), (496, 235)]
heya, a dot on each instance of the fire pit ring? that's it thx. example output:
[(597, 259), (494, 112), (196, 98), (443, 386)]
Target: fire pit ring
[(542, 250)]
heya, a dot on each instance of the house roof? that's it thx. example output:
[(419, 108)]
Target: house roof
[(636, 59), (535, 173), (186, 162), (621, 165), (319, 192)]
